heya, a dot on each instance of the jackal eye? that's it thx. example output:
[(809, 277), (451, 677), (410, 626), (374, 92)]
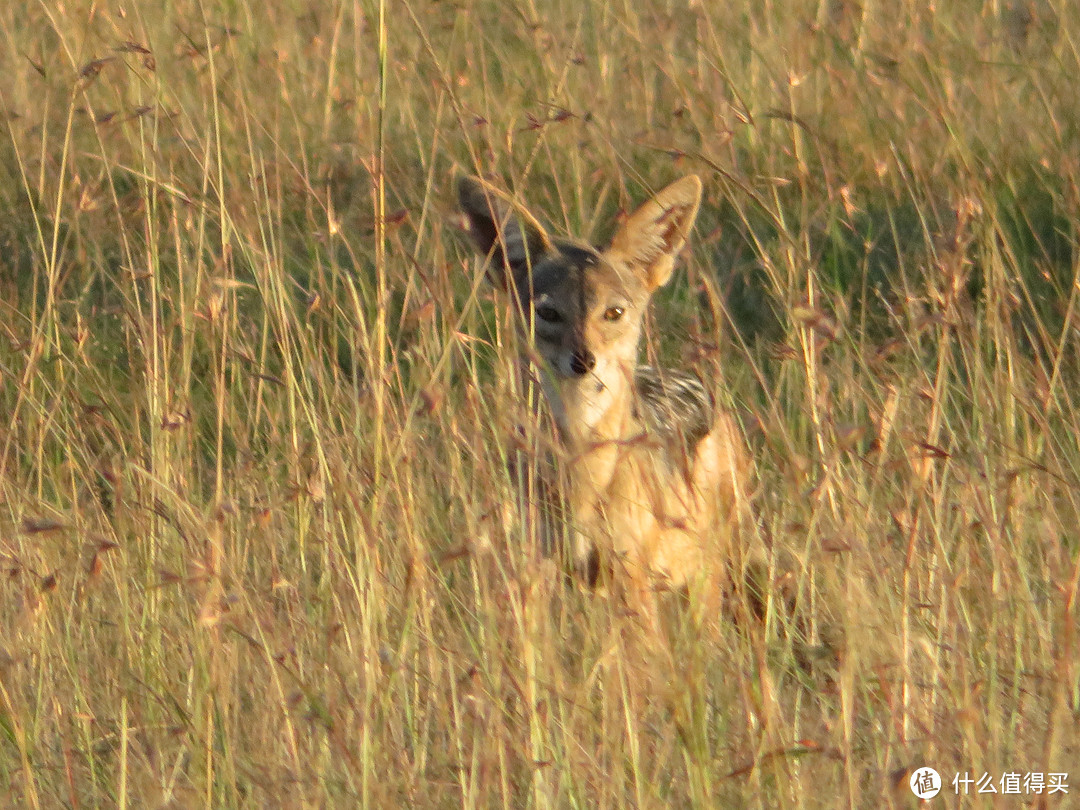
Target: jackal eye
[(613, 313), (548, 314)]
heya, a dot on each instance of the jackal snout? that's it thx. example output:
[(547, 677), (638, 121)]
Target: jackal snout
[(582, 361)]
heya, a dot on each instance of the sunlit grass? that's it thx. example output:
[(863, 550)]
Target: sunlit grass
[(256, 401)]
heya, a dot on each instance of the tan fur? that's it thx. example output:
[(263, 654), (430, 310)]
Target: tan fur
[(661, 521)]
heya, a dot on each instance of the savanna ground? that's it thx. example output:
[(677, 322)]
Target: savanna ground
[(256, 401)]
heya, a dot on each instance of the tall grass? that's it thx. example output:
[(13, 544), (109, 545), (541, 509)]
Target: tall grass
[(256, 401)]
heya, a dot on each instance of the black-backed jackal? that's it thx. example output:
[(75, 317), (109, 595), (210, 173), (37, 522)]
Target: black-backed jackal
[(657, 474)]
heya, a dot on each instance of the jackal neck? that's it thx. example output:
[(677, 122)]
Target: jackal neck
[(596, 408)]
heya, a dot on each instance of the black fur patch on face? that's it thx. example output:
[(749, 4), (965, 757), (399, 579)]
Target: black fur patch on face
[(567, 261), (578, 255)]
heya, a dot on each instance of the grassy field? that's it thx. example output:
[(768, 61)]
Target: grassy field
[(256, 401)]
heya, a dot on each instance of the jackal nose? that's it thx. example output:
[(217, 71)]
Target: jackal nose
[(582, 362)]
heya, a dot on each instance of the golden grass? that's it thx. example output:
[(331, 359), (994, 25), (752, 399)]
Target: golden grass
[(255, 408)]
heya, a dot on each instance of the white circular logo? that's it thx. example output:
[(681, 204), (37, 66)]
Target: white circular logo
[(925, 783)]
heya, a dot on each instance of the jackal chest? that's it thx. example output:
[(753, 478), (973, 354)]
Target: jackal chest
[(624, 498)]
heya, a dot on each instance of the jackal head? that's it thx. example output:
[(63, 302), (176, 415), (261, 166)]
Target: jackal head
[(583, 307)]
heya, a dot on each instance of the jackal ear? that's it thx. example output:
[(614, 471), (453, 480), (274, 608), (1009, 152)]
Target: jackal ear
[(508, 238), (652, 236)]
